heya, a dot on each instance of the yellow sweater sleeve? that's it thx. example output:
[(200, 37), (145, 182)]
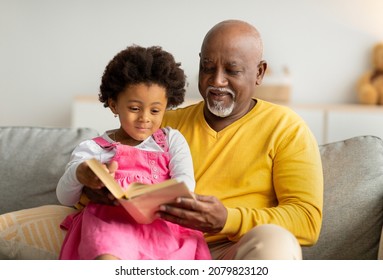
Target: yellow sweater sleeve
[(265, 168)]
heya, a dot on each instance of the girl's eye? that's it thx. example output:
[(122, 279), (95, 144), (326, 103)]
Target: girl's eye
[(155, 111), (134, 109)]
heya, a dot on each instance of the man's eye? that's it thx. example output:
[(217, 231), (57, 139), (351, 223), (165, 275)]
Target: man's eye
[(232, 72), (207, 70)]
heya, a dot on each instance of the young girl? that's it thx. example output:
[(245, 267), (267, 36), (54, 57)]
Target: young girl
[(138, 85)]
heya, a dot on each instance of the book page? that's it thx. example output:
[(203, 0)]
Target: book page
[(136, 189), (144, 206), (106, 178)]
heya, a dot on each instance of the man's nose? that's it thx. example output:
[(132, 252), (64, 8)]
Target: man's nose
[(219, 78)]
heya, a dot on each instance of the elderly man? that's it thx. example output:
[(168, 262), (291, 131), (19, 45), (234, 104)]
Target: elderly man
[(257, 165)]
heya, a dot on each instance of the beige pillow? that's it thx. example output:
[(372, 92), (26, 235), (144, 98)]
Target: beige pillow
[(33, 234)]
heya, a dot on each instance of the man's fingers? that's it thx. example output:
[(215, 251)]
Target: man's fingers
[(205, 198), (205, 213), (188, 203)]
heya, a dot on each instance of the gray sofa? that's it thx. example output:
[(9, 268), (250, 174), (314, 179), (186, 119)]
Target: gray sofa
[(32, 159)]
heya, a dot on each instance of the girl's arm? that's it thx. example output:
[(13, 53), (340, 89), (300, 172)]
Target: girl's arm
[(181, 163), (69, 188)]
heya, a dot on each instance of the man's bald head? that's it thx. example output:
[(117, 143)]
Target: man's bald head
[(232, 29)]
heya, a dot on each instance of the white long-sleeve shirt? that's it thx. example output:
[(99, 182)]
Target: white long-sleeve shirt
[(69, 189)]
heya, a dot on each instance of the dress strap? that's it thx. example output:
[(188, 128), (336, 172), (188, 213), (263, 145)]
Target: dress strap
[(103, 143), (160, 137)]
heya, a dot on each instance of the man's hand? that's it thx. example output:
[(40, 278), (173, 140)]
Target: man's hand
[(204, 213)]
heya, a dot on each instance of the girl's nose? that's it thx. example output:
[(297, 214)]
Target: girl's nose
[(144, 117)]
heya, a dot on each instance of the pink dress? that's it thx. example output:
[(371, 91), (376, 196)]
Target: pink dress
[(102, 229)]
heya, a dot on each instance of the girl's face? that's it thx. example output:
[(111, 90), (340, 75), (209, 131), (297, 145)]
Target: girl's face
[(140, 109)]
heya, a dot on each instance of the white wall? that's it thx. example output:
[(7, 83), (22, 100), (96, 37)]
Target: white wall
[(51, 51)]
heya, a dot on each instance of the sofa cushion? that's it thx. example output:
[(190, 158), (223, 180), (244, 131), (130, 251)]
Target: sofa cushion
[(32, 160), (353, 200)]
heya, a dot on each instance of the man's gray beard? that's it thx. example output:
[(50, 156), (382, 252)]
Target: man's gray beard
[(219, 110)]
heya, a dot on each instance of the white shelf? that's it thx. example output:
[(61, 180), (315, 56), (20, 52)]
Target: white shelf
[(336, 122)]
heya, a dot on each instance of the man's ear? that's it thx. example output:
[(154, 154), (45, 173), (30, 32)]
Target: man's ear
[(112, 104), (262, 66)]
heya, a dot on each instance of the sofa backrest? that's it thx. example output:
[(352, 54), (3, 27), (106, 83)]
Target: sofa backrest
[(353, 200), (32, 160)]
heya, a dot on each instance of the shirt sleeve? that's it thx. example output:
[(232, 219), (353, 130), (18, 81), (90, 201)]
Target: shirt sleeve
[(69, 189), (181, 163)]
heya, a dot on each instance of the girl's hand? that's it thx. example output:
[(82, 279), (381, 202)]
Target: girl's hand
[(87, 177), (101, 196)]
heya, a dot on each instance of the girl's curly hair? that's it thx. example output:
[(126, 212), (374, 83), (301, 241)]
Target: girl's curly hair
[(136, 65)]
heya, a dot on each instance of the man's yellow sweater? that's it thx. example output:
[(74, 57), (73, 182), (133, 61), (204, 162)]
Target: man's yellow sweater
[(265, 168)]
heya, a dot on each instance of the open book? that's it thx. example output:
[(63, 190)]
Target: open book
[(142, 201)]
